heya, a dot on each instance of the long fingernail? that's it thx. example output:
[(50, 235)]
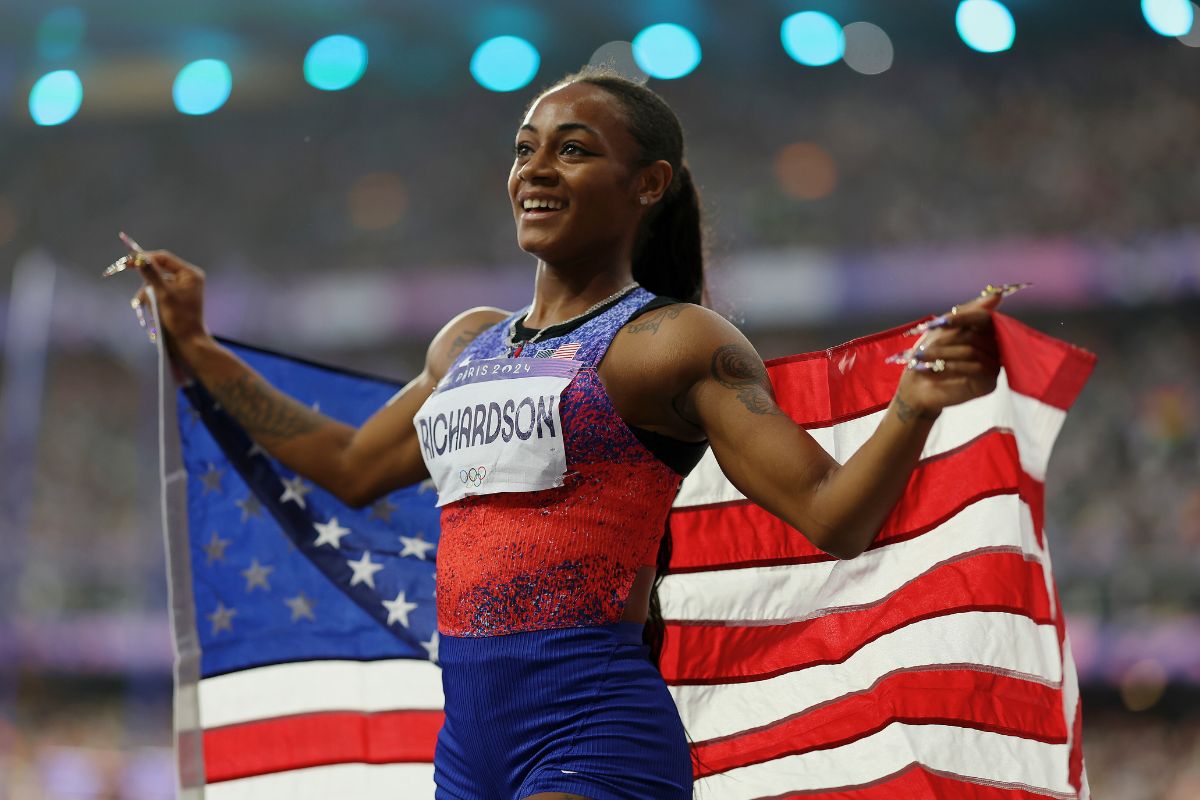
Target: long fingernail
[(939, 321), (1004, 289), (120, 265), (899, 358), (137, 309)]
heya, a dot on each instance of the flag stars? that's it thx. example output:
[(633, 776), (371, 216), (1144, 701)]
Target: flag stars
[(222, 619), (215, 549), (302, 607), (416, 546), (212, 479), (398, 609), (294, 490), (256, 576), (364, 570), (330, 533), (431, 647), (250, 507), (383, 509)]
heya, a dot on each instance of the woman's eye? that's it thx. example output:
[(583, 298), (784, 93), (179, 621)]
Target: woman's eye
[(572, 148), (522, 149)]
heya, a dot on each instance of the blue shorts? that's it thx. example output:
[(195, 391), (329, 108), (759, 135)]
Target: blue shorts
[(578, 710)]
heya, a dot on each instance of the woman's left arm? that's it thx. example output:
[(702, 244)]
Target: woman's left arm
[(778, 465)]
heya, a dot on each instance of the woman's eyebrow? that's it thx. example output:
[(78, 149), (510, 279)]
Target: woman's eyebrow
[(566, 126)]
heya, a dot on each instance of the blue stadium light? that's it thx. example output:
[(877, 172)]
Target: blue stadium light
[(985, 25), (1169, 17), (202, 86), (335, 62), (60, 33), (812, 38), (56, 97), (666, 51), (505, 63)]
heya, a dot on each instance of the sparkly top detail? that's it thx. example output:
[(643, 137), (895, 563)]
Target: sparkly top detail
[(567, 556)]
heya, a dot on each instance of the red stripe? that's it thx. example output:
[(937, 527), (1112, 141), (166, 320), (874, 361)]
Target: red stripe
[(851, 380), (966, 698), (917, 781), (742, 534), (713, 654), (310, 740), (1041, 366)]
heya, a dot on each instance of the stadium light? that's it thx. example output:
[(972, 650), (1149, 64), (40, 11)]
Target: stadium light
[(335, 62), (55, 97), (813, 38), (1169, 17), (666, 51), (985, 25), (505, 63), (202, 86)]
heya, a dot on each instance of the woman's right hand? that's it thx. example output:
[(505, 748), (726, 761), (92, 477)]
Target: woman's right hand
[(179, 292)]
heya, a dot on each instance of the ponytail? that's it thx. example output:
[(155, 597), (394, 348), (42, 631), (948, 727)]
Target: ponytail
[(670, 258)]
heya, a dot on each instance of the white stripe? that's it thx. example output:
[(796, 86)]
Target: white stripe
[(984, 756), (360, 781), (1036, 425), (983, 639), (305, 687), (775, 594)]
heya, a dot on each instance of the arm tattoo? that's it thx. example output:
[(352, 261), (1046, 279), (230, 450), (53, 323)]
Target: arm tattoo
[(907, 413), (263, 410), (739, 368), (652, 321)]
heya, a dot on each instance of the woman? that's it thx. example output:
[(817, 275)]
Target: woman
[(558, 436)]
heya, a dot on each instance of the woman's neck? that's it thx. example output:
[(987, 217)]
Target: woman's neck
[(559, 295)]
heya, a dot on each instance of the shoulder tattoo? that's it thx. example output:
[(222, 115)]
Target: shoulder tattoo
[(650, 323), (739, 368), (464, 338)]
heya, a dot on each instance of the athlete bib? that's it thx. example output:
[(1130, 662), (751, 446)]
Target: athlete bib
[(494, 426)]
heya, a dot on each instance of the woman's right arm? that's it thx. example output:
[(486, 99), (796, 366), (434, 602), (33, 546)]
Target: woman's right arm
[(356, 465)]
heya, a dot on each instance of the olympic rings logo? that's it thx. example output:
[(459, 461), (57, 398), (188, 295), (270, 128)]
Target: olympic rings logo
[(473, 476)]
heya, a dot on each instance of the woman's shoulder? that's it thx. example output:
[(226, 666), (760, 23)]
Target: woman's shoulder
[(674, 337), (459, 332)]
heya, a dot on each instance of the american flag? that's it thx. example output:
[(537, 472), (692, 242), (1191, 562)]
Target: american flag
[(934, 665)]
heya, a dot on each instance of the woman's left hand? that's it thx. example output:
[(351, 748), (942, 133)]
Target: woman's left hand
[(955, 359)]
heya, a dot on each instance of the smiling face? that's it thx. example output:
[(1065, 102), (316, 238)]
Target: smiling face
[(575, 160)]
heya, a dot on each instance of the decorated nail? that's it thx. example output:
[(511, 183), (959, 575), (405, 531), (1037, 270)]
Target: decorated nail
[(1004, 289), (937, 365), (939, 321)]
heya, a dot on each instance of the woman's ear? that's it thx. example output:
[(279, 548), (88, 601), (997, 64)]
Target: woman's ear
[(652, 182)]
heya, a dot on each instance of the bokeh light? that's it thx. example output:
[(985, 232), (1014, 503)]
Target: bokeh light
[(812, 38), (868, 48), (985, 25), (376, 201), (505, 63), (1143, 684), (1169, 17), (56, 97), (61, 32), (806, 171), (667, 51), (202, 86), (335, 62)]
